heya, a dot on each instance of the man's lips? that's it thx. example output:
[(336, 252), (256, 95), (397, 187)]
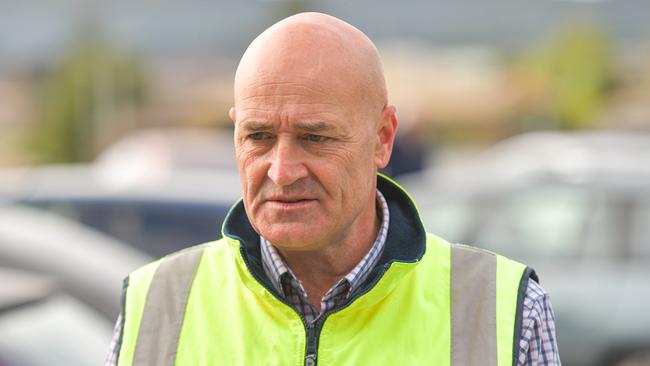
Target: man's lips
[(288, 202), (289, 199)]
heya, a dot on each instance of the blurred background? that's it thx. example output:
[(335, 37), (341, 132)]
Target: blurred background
[(524, 128)]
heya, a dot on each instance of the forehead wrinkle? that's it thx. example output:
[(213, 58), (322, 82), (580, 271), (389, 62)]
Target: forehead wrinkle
[(270, 100), (271, 86), (278, 80), (294, 96)]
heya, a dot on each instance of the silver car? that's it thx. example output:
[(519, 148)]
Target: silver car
[(576, 207), (41, 324), (88, 265), (156, 211), (61, 288)]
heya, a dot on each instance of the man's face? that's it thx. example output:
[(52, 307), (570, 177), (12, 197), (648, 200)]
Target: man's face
[(307, 159)]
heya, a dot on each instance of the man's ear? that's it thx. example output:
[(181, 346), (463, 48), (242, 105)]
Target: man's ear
[(233, 114), (386, 131)]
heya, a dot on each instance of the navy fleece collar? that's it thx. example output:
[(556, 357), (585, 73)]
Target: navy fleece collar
[(406, 239)]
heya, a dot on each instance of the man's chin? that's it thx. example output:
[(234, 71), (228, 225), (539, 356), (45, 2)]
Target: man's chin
[(295, 237)]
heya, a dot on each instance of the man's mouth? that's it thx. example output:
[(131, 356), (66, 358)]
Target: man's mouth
[(294, 200), (290, 202)]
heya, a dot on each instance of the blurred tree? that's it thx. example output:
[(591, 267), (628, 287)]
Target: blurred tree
[(89, 96), (575, 70)]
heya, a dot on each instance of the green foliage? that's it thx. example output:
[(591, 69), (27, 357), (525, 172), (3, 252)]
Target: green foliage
[(576, 69), (81, 98)]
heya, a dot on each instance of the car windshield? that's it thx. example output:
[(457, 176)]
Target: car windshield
[(545, 221)]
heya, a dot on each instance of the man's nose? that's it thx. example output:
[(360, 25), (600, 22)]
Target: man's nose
[(287, 164)]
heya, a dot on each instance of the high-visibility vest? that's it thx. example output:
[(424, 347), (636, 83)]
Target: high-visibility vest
[(210, 305)]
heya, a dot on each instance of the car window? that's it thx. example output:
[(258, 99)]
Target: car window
[(157, 228), (547, 222), (539, 221)]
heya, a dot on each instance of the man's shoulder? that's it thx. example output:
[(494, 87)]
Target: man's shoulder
[(180, 256), (219, 244), (471, 254), (535, 294), (436, 242)]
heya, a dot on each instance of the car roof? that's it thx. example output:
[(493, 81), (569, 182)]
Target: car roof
[(611, 160), (87, 181), (172, 148)]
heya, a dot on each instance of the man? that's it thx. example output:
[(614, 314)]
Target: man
[(323, 261)]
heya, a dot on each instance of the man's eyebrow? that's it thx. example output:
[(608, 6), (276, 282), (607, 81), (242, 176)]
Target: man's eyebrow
[(256, 126), (307, 126), (315, 126)]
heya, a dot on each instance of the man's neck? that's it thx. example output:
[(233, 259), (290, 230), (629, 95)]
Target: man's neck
[(319, 270)]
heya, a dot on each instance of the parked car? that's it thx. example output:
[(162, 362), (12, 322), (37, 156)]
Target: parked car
[(88, 265), (42, 325), (157, 210), (60, 288), (172, 148), (576, 207)]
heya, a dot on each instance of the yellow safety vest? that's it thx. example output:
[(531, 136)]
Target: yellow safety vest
[(428, 302)]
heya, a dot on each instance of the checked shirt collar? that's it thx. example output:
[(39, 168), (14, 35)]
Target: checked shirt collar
[(285, 281)]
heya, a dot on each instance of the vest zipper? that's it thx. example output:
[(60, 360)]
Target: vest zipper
[(312, 349), (311, 346), (313, 331)]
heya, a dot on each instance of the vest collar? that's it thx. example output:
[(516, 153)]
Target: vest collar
[(406, 240)]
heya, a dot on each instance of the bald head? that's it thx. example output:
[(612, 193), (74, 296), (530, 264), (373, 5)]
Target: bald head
[(319, 49), (312, 127)]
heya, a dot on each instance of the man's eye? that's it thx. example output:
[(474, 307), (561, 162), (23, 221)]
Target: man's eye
[(258, 136), (316, 138)]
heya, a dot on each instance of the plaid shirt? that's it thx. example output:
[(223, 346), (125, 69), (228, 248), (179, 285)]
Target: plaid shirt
[(537, 346)]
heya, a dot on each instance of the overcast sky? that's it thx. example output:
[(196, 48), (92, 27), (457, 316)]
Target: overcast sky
[(38, 29)]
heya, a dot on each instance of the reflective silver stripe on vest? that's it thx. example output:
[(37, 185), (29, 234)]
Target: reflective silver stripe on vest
[(473, 307), (165, 308)]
